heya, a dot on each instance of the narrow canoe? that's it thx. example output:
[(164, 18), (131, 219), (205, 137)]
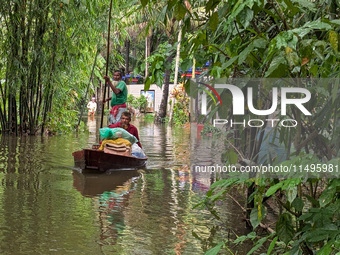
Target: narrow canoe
[(101, 161)]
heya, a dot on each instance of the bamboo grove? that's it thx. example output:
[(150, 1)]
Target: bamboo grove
[(46, 50)]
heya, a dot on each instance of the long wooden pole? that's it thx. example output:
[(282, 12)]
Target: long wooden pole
[(88, 87), (107, 63)]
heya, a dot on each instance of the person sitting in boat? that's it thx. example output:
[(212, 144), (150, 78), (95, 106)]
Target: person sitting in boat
[(125, 123), (119, 96)]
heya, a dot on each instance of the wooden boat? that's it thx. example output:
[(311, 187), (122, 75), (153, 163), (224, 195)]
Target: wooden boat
[(99, 160)]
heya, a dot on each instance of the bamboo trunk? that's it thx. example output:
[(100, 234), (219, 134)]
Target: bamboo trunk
[(49, 93), (176, 68), (127, 59), (107, 62)]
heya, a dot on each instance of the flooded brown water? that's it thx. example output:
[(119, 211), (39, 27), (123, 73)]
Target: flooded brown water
[(48, 207)]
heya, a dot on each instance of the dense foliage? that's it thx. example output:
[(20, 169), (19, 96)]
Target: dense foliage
[(274, 39), (47, 51), (181, 105), (138, 103)]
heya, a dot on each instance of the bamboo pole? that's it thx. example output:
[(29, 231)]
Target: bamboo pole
[(87, 89), (107, 62)]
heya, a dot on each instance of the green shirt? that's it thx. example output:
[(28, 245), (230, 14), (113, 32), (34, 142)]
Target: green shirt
[(121, 97)]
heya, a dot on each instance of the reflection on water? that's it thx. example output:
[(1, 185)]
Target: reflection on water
[(47, 207), (91, 183), (93, 130)]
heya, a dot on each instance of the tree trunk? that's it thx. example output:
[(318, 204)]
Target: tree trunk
[(127, 58), (146, 58), (164, 103), (147, 53), (176, 68)]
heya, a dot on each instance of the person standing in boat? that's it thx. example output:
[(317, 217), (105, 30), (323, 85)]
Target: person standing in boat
[(119, 96), (125, 123)]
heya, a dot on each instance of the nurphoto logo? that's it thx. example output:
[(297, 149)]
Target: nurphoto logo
[(278, 95)]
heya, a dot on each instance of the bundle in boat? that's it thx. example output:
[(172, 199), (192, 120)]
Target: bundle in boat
[(118, 149)]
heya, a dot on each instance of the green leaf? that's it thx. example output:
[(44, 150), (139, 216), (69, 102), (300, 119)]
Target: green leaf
[(186, 64), (292, 58), (232, 157), (214, 21), (240, 239), (243, 55), (217, 183), (312, 200), (159, 78), (252, 235), (301, 31), (187, 87), (159, 65), (211, 5), (327, 196), (256, 217), (284, 228), (229, 62), (180, 11), (335, 21), (272, 245), (259, 243), (273, 189), (292, 8), (214, 250), (144, 2), (171, 3), (305, 216), (237, 8), (298, 204), (245, 17), (260, 43), (282, 39), (290, 183), (317, 235), (98, 74), (327, 249), (305, 3), (218, 195), (291, 193), (317, 24), (306, 28), (147, 84), (224, 183), (275, 64), (333, 39)]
